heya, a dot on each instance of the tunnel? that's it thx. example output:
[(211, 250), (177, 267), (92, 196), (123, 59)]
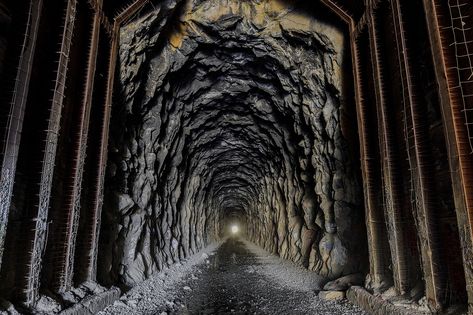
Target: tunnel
[(236, 156), (220, 123)]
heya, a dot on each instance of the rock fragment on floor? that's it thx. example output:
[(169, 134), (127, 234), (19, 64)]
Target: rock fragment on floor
[(332, 295)]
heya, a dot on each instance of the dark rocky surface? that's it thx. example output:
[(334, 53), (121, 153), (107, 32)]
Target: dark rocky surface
[(5, 21), (238, 278), (228, 285), (231, 112)]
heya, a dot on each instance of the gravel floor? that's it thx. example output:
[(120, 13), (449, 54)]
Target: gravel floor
[(234, 278)]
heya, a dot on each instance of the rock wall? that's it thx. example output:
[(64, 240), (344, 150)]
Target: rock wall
[(231, 109)]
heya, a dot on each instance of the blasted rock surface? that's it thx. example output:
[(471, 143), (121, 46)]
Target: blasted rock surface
[(231, 109)]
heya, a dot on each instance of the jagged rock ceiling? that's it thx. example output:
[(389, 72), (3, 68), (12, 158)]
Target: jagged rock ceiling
[(232, 111)]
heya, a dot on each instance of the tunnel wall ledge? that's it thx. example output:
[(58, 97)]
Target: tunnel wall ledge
[(377, 306), (89, 304), (95, 303)]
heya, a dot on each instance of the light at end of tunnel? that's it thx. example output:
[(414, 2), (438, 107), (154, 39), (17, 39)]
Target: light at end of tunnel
[(235, 229)]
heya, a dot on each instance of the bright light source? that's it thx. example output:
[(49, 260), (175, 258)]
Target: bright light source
[(235, 229)]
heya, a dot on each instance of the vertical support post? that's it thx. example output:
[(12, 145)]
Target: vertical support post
[(374, 224), (374, 218), (40, 230), (460, 159), (14, 126), (425, 198), (68, 224), (389, 166), (98, 202), (87, 261)]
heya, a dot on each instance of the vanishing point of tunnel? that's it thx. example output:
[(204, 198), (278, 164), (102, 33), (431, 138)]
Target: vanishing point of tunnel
[(236, 156)]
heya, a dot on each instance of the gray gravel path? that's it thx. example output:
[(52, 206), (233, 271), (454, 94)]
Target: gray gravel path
[(234, 278)]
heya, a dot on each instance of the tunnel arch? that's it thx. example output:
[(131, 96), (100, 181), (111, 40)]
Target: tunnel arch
[(286, 116), (240, 129)]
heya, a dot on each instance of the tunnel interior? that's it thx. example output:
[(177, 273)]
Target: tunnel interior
[(334, 134), (236, 111)]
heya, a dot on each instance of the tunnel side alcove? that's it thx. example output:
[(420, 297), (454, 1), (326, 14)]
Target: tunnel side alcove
[(238, 111)]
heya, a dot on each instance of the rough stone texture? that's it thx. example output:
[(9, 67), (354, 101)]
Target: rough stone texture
[(87, 298), (235, 278), (377, 306), (94, 304), (7, 308), (230, 112), (332, 295), (343, 283)]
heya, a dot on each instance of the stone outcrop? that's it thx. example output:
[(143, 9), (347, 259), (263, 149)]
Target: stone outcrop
[(231, 112)]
